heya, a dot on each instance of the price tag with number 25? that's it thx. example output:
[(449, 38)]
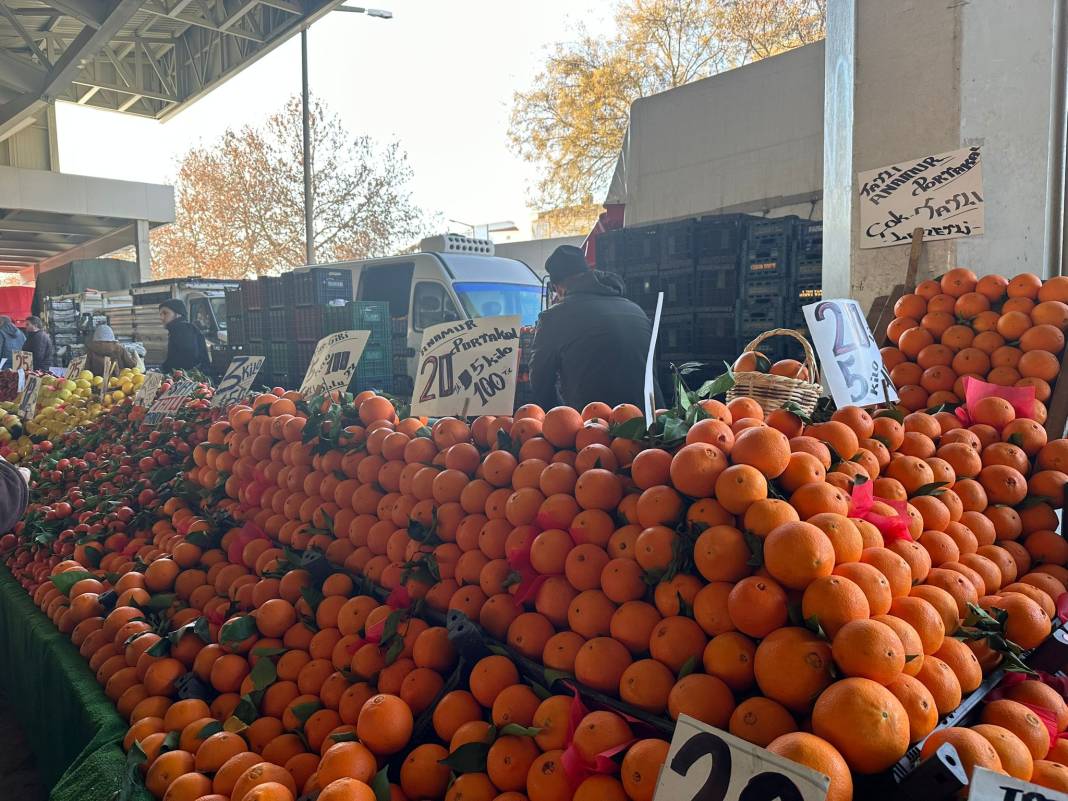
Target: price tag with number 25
[(852, 366), (707, 764)]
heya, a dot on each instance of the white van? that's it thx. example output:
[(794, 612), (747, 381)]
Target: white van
[(452, 277)]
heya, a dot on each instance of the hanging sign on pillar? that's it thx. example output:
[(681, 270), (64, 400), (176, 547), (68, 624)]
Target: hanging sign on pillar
[(943, 194), (468, 368)]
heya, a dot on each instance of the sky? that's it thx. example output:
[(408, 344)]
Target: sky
[(438, 77)]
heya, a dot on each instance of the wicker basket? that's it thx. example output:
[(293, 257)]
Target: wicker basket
[(775, 391)]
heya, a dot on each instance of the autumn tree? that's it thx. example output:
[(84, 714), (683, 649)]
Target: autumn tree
[(572, 119), (240, 200)]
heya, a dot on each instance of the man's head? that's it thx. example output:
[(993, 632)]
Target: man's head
[(564, 264), (171, 310), (34, 323), (4, 321)]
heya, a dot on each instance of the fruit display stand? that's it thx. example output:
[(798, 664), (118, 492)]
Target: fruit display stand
[(295, 572)]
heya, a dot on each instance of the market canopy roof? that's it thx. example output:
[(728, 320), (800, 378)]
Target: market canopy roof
[(146, 57), (49, 219)]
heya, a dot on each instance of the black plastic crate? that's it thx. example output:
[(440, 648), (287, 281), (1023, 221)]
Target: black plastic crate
[(759, 286), (714, 333), (772, 240), (300, 355), (236, 336), (677, 244), (308, 323), (277, 354), (766, 268), (719, 237), (715, 285), (810, 239), (643, 288), (321, 285), (275, 292), (279, 324), (676, 333), (234, 303), (252, 295), (256, 347), (808, 292), (255, 325), (641, 245), (610, 245), (678, 288)]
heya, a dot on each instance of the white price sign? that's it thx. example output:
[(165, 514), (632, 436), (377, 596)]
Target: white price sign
[(146, 393), (334, 362), (237, 382), (704, 762), (171, 402), (943, 194), (109, 368), (468, 368), (28, 402), (853, 369), (986, 785), (77, 364), (23, 360)]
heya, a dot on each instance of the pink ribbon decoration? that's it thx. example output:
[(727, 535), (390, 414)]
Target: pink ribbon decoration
[(576, 768), (1021, 398), (530, 580), (863, 498), (1047, 716), (399, 598), (1062, 607), (373, 634), (248, 533)]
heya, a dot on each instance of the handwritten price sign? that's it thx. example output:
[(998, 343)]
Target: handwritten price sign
[(468, 368), (853, 368), (989, 786), (28, 402), (146, 393), (23, 360), (105, 385), (706, 764), (237, 383), (77, 364), (943, 194), (170, 403), (334, 362)]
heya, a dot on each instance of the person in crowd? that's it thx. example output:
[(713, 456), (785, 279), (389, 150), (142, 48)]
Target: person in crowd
[(14, 494), (186, 347), (39, 343), (11, 340), (593, 344), (104, 344)]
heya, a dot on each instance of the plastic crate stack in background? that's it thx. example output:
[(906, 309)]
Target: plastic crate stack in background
[(236, 332), (402, 380), (375, 369)]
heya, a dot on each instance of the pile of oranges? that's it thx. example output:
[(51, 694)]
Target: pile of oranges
[(792, 584), (1006, 332)]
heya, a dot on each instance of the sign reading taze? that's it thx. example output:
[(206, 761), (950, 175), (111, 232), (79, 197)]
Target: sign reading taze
[(468, 368), (707, 764), (943, 194), (334, 362), (853, 368)]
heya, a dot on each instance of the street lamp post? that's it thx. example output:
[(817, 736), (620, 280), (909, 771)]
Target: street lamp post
[(309, 167)]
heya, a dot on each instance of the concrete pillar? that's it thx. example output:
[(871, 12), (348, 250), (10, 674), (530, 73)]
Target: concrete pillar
[(141, 245), (927, 78)]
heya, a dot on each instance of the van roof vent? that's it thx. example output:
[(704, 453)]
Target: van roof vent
[(456, 243)]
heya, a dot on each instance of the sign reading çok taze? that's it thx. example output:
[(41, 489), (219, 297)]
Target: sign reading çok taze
[(708, 764), (237, 383), (943, 194), (468, 368), (334, 362), (853, 368)]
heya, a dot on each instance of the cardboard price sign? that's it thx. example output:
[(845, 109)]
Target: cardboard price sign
[(146, 393), (109, 368), (468, 368), (334, 362), (989, 786), (28, 402), (170, 403), (237, 382), (943, 194), (707, 763), (77, 364), (853, 369), (23, 360)]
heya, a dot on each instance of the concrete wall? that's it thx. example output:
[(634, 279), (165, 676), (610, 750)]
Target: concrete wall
[(534, 252), (750, 140)]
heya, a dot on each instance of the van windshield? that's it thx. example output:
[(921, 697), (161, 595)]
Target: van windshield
[(495, 300)]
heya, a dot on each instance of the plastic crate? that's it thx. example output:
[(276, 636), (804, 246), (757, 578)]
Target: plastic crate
[(308, 323), (252, 296), (715, 285), (277, 354), (236, 335), (713, 333), (810, 239), (678, 288), (676, 333), (320, 285), (641, 247), (772, 241), (255, 324), (368, 378), (719, 237), (642, 288), (275, 291), (279, 323), (256, 347), (377, 357), (300, 355), (372, 312), (759, 287), (610, 247), (234, 303), (766, 268), (677, 244)]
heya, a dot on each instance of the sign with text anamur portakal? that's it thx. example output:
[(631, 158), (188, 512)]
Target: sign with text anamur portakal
[(468, 368), (334, 362), (943, 194), (237, 382), (852, 367)]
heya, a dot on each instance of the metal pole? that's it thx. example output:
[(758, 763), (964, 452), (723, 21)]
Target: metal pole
[(309, 199), (1055, 189)]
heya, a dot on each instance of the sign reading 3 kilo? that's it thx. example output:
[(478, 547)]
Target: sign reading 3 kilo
[(468, 368)]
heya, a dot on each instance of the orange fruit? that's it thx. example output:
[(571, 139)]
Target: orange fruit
[(918, 703), (972, 748), (1015, 759), (1022, 722), (641, 768), (869, 649), (818, 754), (760, 720), (857, 705), (792, 666), (385, 724), (796, 554)]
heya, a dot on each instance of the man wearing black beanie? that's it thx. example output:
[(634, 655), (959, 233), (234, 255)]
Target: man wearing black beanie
[(594, 342), (186, 348)]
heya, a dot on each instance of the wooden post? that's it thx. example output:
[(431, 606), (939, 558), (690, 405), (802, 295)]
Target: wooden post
[(1057, 411), (882, 309)]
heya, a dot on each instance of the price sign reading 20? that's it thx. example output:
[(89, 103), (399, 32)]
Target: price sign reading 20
[(852, 365)]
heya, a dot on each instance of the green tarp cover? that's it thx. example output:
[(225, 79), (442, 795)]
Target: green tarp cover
[(72, 728)]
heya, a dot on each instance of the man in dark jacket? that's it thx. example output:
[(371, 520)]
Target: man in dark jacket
[(14, 494), (594, 340), (186, 348), (39, 344)]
